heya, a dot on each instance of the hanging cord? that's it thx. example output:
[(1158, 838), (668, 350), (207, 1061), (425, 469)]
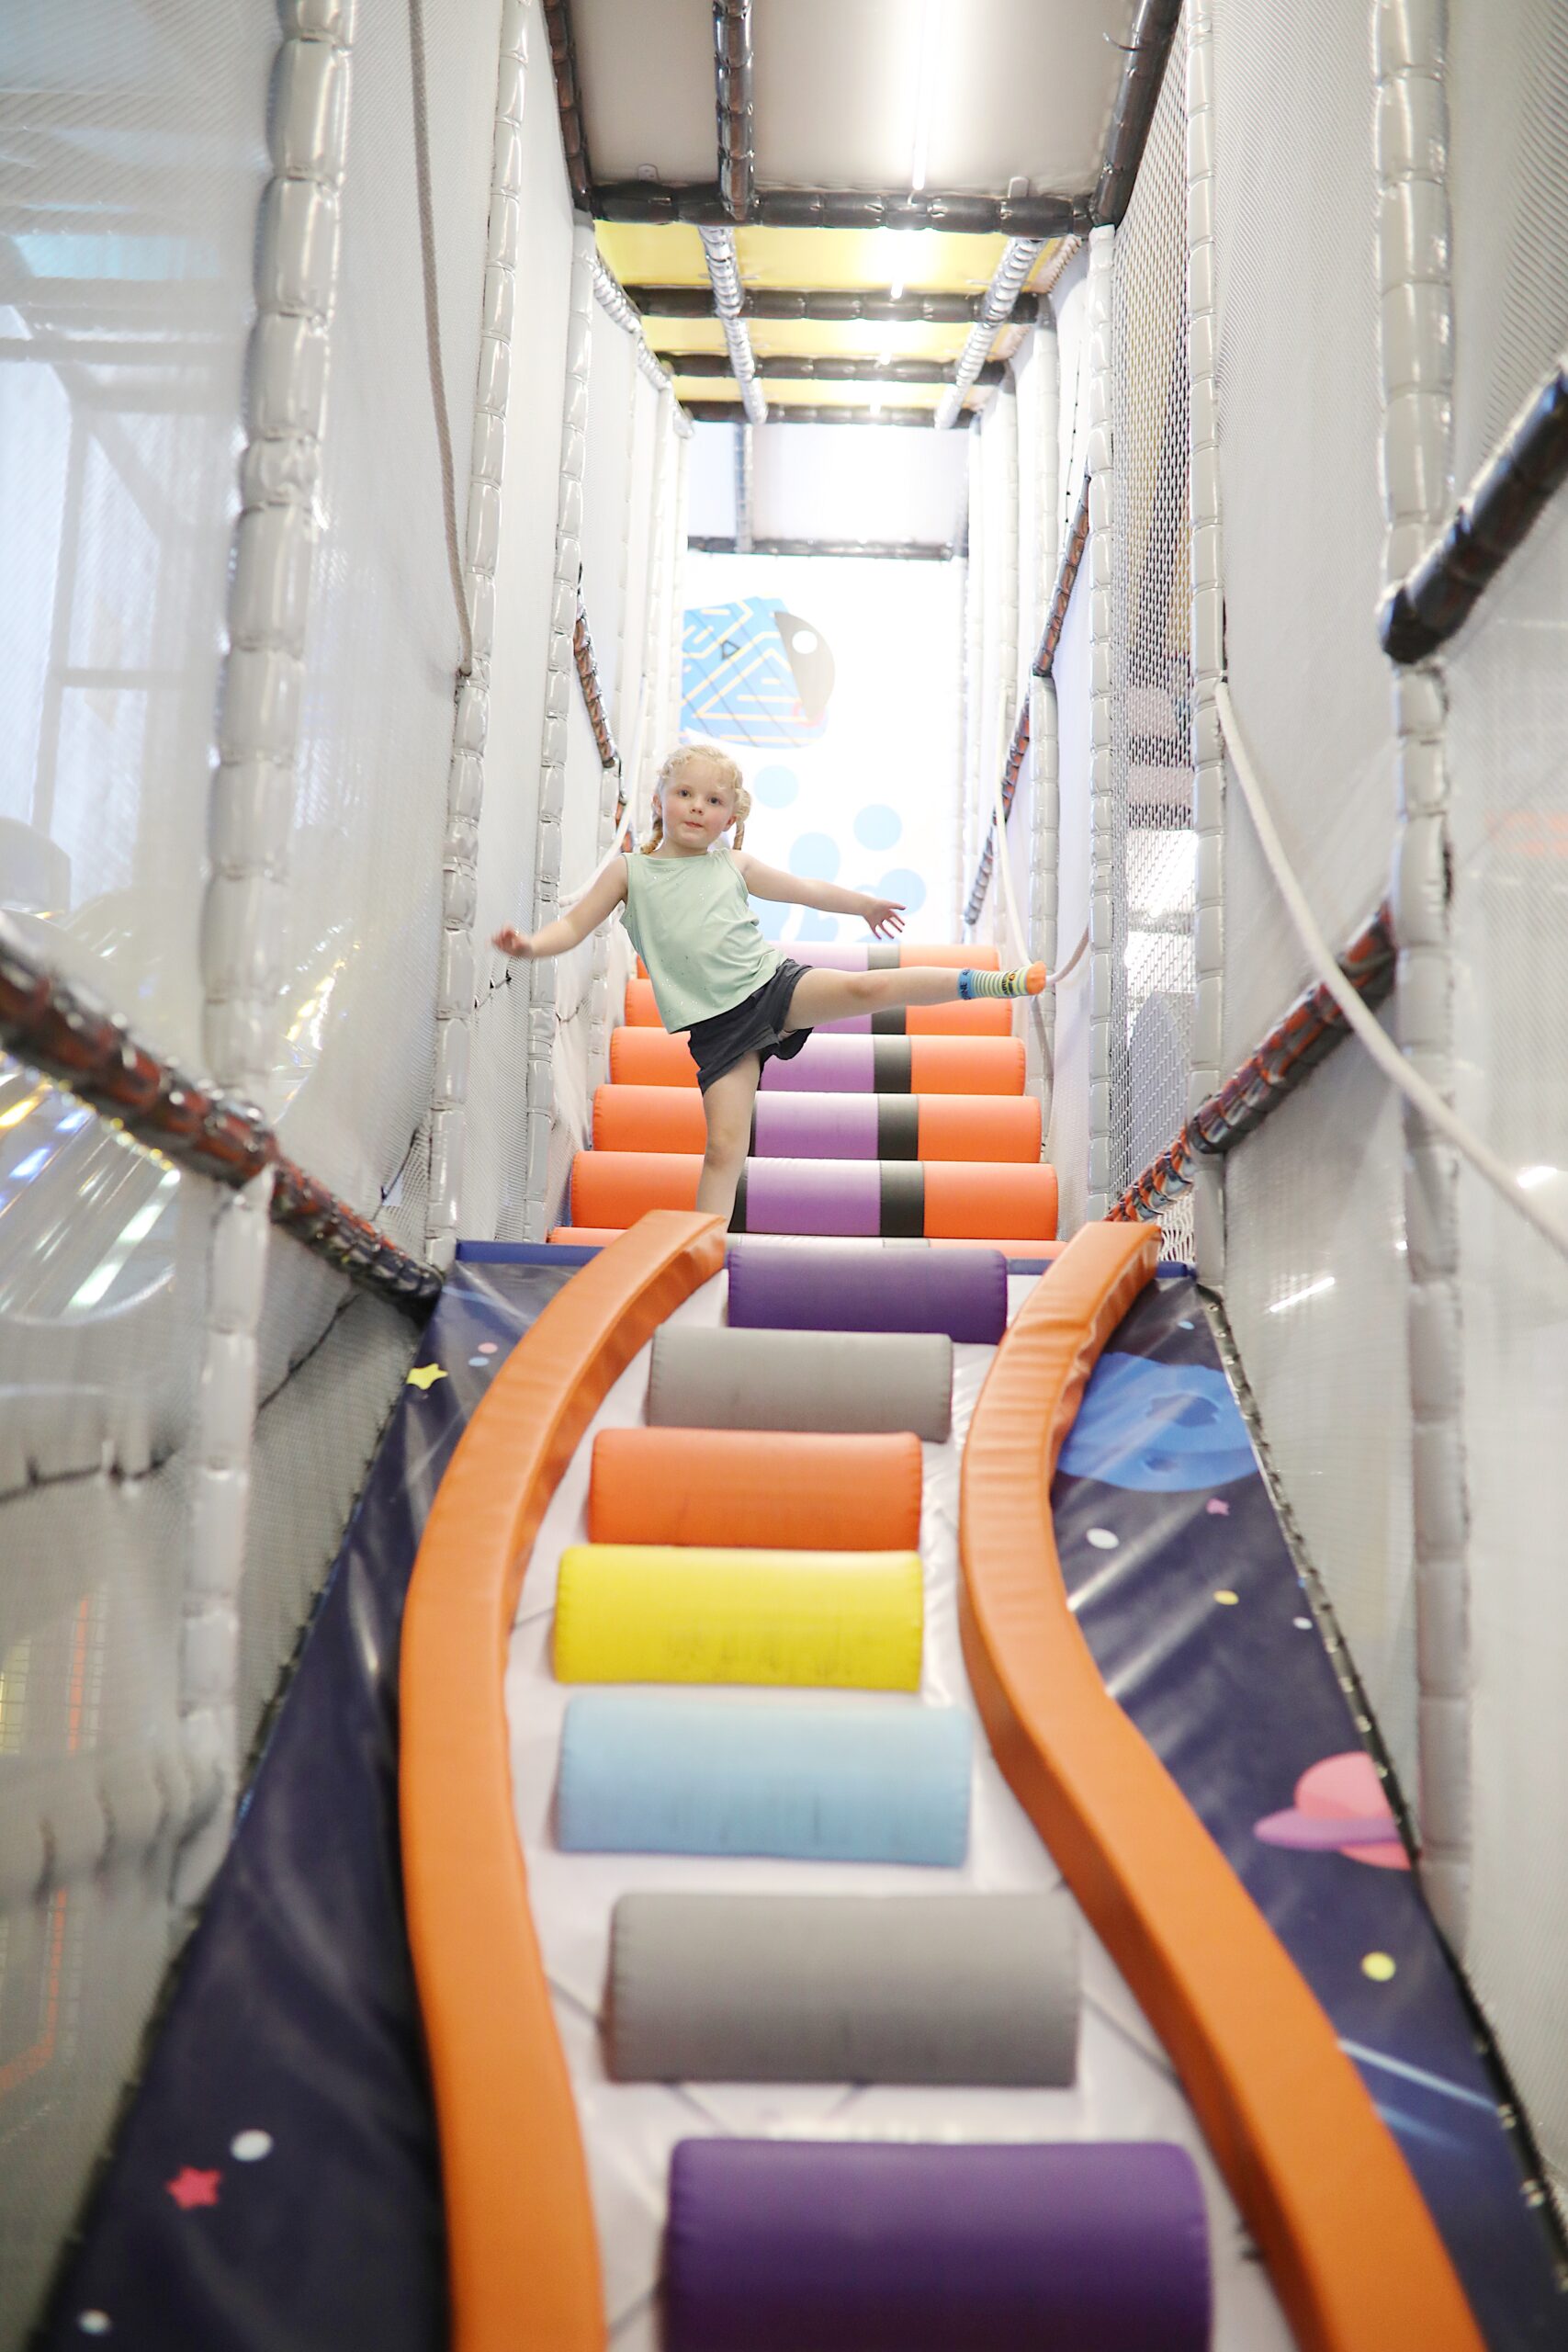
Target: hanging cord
[(1379, 1044), (1021, 945), (433, 334)]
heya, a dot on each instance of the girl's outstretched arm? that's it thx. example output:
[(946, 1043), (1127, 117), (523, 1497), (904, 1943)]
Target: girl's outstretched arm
[(597, 904), (883, 915)]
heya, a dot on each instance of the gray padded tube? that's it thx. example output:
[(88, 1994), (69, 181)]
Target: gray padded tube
[(802, 1380), (840, 1988)]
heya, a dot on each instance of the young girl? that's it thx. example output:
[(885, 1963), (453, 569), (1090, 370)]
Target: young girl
[(714, 975)]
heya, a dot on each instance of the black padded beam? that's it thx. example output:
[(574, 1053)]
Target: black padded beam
[(737, 126), (889, 551), (732, 412), (789, 367), (833, 305), (1141, 74), (646, 203)]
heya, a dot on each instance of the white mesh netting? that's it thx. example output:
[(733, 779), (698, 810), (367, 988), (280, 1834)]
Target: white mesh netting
[(125, 305), (1508, 766), (1507, 99), (1151, 669), (1314, 1281)]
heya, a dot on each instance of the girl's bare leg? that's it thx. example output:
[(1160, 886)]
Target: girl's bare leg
[(839, 996), (726, 1106)]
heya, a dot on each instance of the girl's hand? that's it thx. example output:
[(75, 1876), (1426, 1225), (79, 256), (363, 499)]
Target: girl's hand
[(513, 942), (886, 916)]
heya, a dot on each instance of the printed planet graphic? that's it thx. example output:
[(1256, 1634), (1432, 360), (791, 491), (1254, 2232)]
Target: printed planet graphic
[(1158, 1428), (1339, 1809), (753, 673)]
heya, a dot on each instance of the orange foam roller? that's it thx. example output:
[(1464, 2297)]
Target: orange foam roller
[(985, 1016), (915, 1065), (981, 1016), (938, 1126), (786, 1491), (617, 1187), (974, 1201), (650, 1057), (979, 1127), (641, 1010), (648, 1118), (967, 1064), (951, 959)]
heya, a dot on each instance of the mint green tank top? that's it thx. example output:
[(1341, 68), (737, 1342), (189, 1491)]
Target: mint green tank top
[(691, 922)]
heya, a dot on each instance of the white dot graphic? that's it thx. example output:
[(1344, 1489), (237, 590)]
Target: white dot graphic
[(95, 2323), (1301, 1624), (250, 2147), (806, 640), (1103, 1539)]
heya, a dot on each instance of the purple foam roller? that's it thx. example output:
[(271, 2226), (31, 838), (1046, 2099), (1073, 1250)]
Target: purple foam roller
[(815, 1126), (814, 1196), (803, 1288), (824, 1066), (777, 2245)]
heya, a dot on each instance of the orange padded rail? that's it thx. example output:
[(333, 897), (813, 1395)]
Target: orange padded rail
[(522, 2256), (1355, 2256), (971, 1200), (786, 1491)]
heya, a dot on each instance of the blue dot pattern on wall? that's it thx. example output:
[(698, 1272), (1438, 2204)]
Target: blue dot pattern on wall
[(770, 916), (775, 787), (817, 926), (815, 857), (905, 885), (878, 827)]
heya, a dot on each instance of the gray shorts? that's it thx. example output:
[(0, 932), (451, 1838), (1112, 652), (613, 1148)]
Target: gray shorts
[(755, 1025)]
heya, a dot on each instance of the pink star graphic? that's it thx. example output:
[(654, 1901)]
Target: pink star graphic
[(1217, 1510), (192, 2187)]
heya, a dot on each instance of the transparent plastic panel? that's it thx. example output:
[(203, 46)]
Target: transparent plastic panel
[(526, 564), (1067, 1140), (103, 1287), (606, 487), (1300, 416), (1315, 1288), (1151, 672), (1507, 99), (125, 306), (364, 904), (1508, 764)]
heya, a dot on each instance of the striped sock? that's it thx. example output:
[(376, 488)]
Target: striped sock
[(1028, 980)]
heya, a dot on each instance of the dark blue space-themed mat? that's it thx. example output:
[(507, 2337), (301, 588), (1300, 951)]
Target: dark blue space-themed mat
[(1189, 1597), (275, 2184)]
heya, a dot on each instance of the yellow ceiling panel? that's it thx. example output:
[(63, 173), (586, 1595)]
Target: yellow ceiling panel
[(791, 392), (922, 260), (814, 339), (644, 256)]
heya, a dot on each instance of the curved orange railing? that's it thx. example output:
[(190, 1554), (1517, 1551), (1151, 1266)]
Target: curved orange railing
[(523, 2255), (1355, 2256)]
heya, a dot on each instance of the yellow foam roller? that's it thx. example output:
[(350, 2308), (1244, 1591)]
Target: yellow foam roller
[(667, 1612)]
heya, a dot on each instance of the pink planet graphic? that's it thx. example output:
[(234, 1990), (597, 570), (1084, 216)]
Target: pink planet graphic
[(1340, 1809)]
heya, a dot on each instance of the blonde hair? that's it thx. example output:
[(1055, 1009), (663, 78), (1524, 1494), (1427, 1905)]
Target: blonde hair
[(696, 747)]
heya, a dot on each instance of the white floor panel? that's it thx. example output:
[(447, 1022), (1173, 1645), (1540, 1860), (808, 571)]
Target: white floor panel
[(1125, 2089)]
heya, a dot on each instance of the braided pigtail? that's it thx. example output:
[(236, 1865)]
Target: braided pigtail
[(743, 810), (656, 835)]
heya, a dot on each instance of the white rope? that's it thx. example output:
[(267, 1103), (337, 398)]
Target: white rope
[(1379, 1044)]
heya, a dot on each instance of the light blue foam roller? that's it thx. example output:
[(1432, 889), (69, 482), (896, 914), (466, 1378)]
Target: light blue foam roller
[(848, 1780)]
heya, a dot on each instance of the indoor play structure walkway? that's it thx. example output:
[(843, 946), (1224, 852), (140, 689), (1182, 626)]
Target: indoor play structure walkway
[(809, 1949)]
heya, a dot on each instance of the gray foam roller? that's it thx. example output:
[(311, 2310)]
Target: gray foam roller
[(802, 1380), (769, 1988)]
